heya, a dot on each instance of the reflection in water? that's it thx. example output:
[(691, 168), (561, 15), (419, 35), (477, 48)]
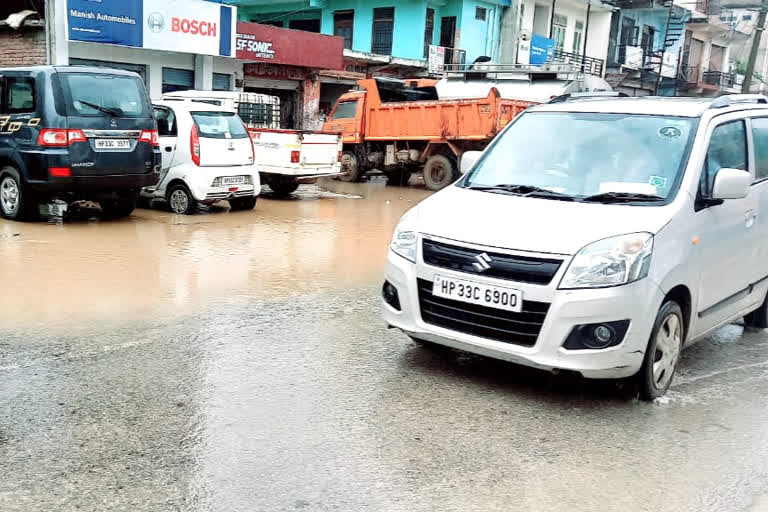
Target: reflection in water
[(87, 272)]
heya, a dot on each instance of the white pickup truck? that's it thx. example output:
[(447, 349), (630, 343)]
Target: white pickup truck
[(284, 158)]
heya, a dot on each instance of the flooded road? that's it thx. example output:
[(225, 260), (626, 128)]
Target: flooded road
[(237, 362)]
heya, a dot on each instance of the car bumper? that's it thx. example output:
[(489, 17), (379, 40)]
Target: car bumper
[(77, 184), (200, 181), (637, 302)]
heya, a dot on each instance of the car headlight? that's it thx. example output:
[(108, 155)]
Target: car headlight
[(404, 239), (610, 262)]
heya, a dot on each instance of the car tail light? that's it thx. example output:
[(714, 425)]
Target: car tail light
[(295, 157), (58, 137), (150, 136), (194, 145), (60, 172)]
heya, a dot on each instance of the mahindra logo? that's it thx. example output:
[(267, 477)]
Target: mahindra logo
[(156, 22), (113, 123), (483, 262)]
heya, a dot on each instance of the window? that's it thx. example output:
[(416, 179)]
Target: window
[(727, 149), (222, 82), (305, 25), (760, 137), (178, 80), (21, 95), (383, 27), (559, 24), (219, 125), (346, 110), (259, 115), (577, 37), (481, 13), (747, 17), (429, 31), (136, 68), (344, 26), (96, 95), (166, 122)]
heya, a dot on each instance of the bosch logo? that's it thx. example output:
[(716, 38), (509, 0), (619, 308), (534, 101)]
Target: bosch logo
[(194, 27), (156, 22)]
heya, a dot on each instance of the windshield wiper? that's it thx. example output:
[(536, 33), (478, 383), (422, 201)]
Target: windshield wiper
[(523, 190), (622, 197), (108, 111)]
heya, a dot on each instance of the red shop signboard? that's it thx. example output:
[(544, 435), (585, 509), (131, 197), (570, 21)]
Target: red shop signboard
[(264, 43)]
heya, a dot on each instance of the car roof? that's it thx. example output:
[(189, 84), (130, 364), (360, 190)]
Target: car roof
[(190, 105), (649, 105)]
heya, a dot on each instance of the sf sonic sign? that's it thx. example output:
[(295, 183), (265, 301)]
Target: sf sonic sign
[(191, 26)]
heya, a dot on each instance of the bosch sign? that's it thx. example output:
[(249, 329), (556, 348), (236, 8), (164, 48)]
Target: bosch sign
[(194, 27)]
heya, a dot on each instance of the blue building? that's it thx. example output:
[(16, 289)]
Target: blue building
[(400, 30)]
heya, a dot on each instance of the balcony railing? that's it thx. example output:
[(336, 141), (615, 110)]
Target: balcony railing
[(718, 78), (442, 59), (589, 65)]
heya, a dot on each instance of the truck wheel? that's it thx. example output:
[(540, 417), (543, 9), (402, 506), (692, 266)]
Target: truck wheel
[(181, 201), (282, 187), (350, 166), (439, 172), (120, 207), (663, 352), (243, 203), (16, 200)]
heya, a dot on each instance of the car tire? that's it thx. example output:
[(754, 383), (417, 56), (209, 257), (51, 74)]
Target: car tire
[(283, 188), (758, 319), (439, 172), (663, 352), (243, 203), (118, 208), (181, 201), (350, 166), (16, 200)]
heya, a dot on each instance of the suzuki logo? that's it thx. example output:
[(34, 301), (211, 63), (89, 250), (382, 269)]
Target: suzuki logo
[(156, 22), (483, 261), (231, 146)]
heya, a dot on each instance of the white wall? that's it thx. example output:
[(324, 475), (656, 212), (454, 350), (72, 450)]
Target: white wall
[(155, 61)]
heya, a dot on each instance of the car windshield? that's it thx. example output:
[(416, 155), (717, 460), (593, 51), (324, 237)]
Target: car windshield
[(587, 156), (89, 94), (219, 125)]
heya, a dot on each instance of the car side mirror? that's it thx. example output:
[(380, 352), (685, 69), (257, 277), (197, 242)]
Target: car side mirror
[(469, 159), (731, 184)]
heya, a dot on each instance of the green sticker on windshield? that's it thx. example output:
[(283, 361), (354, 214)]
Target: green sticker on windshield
[(670, 132), (658, 181)]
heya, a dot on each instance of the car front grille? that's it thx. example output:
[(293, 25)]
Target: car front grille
[(490, 323), (522, 269)]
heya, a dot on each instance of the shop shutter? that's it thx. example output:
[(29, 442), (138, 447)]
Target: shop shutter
[(178, 79)]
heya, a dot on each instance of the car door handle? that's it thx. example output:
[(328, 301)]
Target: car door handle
[(749, 218)]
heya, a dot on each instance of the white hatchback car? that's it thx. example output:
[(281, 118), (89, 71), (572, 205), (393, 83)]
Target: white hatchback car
[(207, 156), (599, 236)]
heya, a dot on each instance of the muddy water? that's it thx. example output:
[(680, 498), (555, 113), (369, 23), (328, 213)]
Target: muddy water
[(81, 272)]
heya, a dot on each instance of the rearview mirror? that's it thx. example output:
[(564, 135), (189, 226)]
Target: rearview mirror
[(731, 184), (469, 159)]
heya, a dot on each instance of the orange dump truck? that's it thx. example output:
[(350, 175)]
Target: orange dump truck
[(396, 126)]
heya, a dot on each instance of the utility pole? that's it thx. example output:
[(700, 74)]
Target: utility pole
[(753, 51)]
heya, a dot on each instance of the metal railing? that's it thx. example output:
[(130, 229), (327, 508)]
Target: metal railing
[(719, 78), (589, 65)]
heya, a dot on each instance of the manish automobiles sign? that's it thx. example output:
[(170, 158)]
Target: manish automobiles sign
[(190, 26)]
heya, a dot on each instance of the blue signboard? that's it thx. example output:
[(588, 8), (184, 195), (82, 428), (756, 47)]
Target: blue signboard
[(542, 49), (106, 21)]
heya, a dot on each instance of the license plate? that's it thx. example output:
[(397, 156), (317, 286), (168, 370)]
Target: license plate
[(113, 144), (461, 290), (233, 180)]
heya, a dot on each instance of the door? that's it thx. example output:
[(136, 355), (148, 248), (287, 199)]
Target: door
[(694, 61), (448, 37), (541, 20), (716, 58), (168, 133), (559, 26), (725, 231), (628, 37), (222, 139), (347, 118), (760, 189)]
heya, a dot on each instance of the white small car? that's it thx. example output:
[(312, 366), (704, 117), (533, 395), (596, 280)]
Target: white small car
[(600, 236), (207, 156)]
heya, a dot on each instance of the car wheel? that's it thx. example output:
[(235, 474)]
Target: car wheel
[(181, 201), (350, 167), (283, 187), (243, 203), (663, 352), (759, 317), (439, 172), (118, 208), (16, 201)]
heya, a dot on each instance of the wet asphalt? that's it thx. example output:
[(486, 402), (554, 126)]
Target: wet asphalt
[(237, 362)]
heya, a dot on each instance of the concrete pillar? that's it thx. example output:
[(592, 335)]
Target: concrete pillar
[(203, 72), (508, 34), (310, 104), (56, 26)]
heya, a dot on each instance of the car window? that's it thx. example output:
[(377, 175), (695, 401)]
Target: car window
[(760, 139), (345, 110), (21, 94), (727, 149), (219, 125), (166, 122), (93, 95)]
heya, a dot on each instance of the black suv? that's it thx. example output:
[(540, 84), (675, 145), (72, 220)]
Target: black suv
[(74, 133)]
